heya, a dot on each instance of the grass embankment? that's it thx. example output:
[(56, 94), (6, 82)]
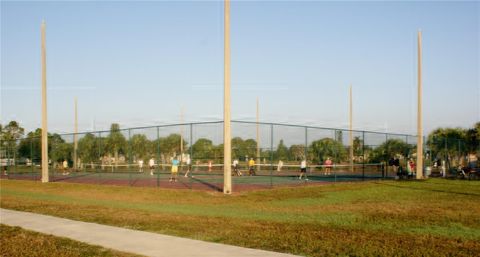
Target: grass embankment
[(434, 217), (15, 241)]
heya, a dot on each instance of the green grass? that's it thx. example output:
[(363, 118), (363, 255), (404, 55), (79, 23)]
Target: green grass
[(431, 218), (15, 241)]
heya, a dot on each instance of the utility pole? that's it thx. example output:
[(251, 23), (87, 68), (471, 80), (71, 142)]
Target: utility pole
[(75, 139), (181, 135), (351, 128), (258, 134), (227, 149), (44, 108), (419, 111)]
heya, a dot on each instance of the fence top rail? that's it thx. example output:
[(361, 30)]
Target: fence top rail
[(233, 121), (143, 127), (317, 127)]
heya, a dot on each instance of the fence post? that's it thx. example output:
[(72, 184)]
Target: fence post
[(447, 162), (100, 152), (158, 156), (31, 156), (129, 158), (271, 155), (363, 152), (189, 168), (306, 151)]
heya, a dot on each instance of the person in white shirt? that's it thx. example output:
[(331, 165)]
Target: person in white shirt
[(280, 165), (65, 167), (303, 169), (236, 171), (151, 164), (189, 165), (140, 165)]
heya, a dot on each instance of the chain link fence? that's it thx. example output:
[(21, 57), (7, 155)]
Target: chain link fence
[(265, 155)]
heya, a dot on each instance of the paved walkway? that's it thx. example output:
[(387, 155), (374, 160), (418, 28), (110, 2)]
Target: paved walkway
[(126, 240)]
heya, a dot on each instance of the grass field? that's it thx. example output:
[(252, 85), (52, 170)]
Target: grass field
[(15, 241), (377, 218)]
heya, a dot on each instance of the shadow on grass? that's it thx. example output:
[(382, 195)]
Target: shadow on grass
[(209, 185), (68, 177), (407, 185)]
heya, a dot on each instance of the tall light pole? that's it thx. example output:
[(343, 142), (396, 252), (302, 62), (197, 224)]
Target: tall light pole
[(258, 132), (75, 139), (351, 128), (44, 108), (227, 149), (419, 111), (181, 135)]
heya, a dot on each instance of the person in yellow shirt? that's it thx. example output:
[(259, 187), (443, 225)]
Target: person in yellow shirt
[(251, 167)]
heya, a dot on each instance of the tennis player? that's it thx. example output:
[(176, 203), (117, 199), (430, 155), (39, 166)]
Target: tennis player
[(140, 165), (173, 176), (189, 165), (251, 167), (328, 166), (151, 164), (303, 169)]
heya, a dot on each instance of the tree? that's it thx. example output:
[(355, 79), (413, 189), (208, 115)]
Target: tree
[(12, 131), (357, 146), (62, 151), (282, 151), (297, 152), (31, 146), (140, 146), (203, 149), (448, 143), (250, 147), (238, 150), (9, 136), (88, 148), (115, 142), (325, 148), (170, 145), (472, 137), (242, 148), (390, 149)]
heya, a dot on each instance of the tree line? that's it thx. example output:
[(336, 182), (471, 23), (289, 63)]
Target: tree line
[(451, 144)]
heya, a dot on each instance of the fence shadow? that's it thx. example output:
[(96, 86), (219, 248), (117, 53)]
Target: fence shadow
[(405, 185)]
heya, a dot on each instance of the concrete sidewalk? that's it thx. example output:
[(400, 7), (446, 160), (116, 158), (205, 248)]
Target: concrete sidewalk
[(126, 240)]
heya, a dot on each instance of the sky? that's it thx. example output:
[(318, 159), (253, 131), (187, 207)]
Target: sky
[(138, 63)]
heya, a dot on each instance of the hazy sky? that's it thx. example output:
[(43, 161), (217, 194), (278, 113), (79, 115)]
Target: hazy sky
[(137, 63)]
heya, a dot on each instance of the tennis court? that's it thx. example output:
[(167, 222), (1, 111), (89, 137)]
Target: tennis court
[(125, 156), (200, 178)]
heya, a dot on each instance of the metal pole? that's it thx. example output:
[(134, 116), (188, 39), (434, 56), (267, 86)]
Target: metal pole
[(158, 156), (363, 153), (181, 136), (306, 150), (271, 154), (419, 112), (100, 152), (129, 149), (258, 136), (45, 178), (227, 150), (191, 154), (306, 144), (31, 155), (75, 143), (351, 129)]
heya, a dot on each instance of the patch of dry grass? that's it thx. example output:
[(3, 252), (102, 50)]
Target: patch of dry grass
[(432, 218), (15, 241)]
